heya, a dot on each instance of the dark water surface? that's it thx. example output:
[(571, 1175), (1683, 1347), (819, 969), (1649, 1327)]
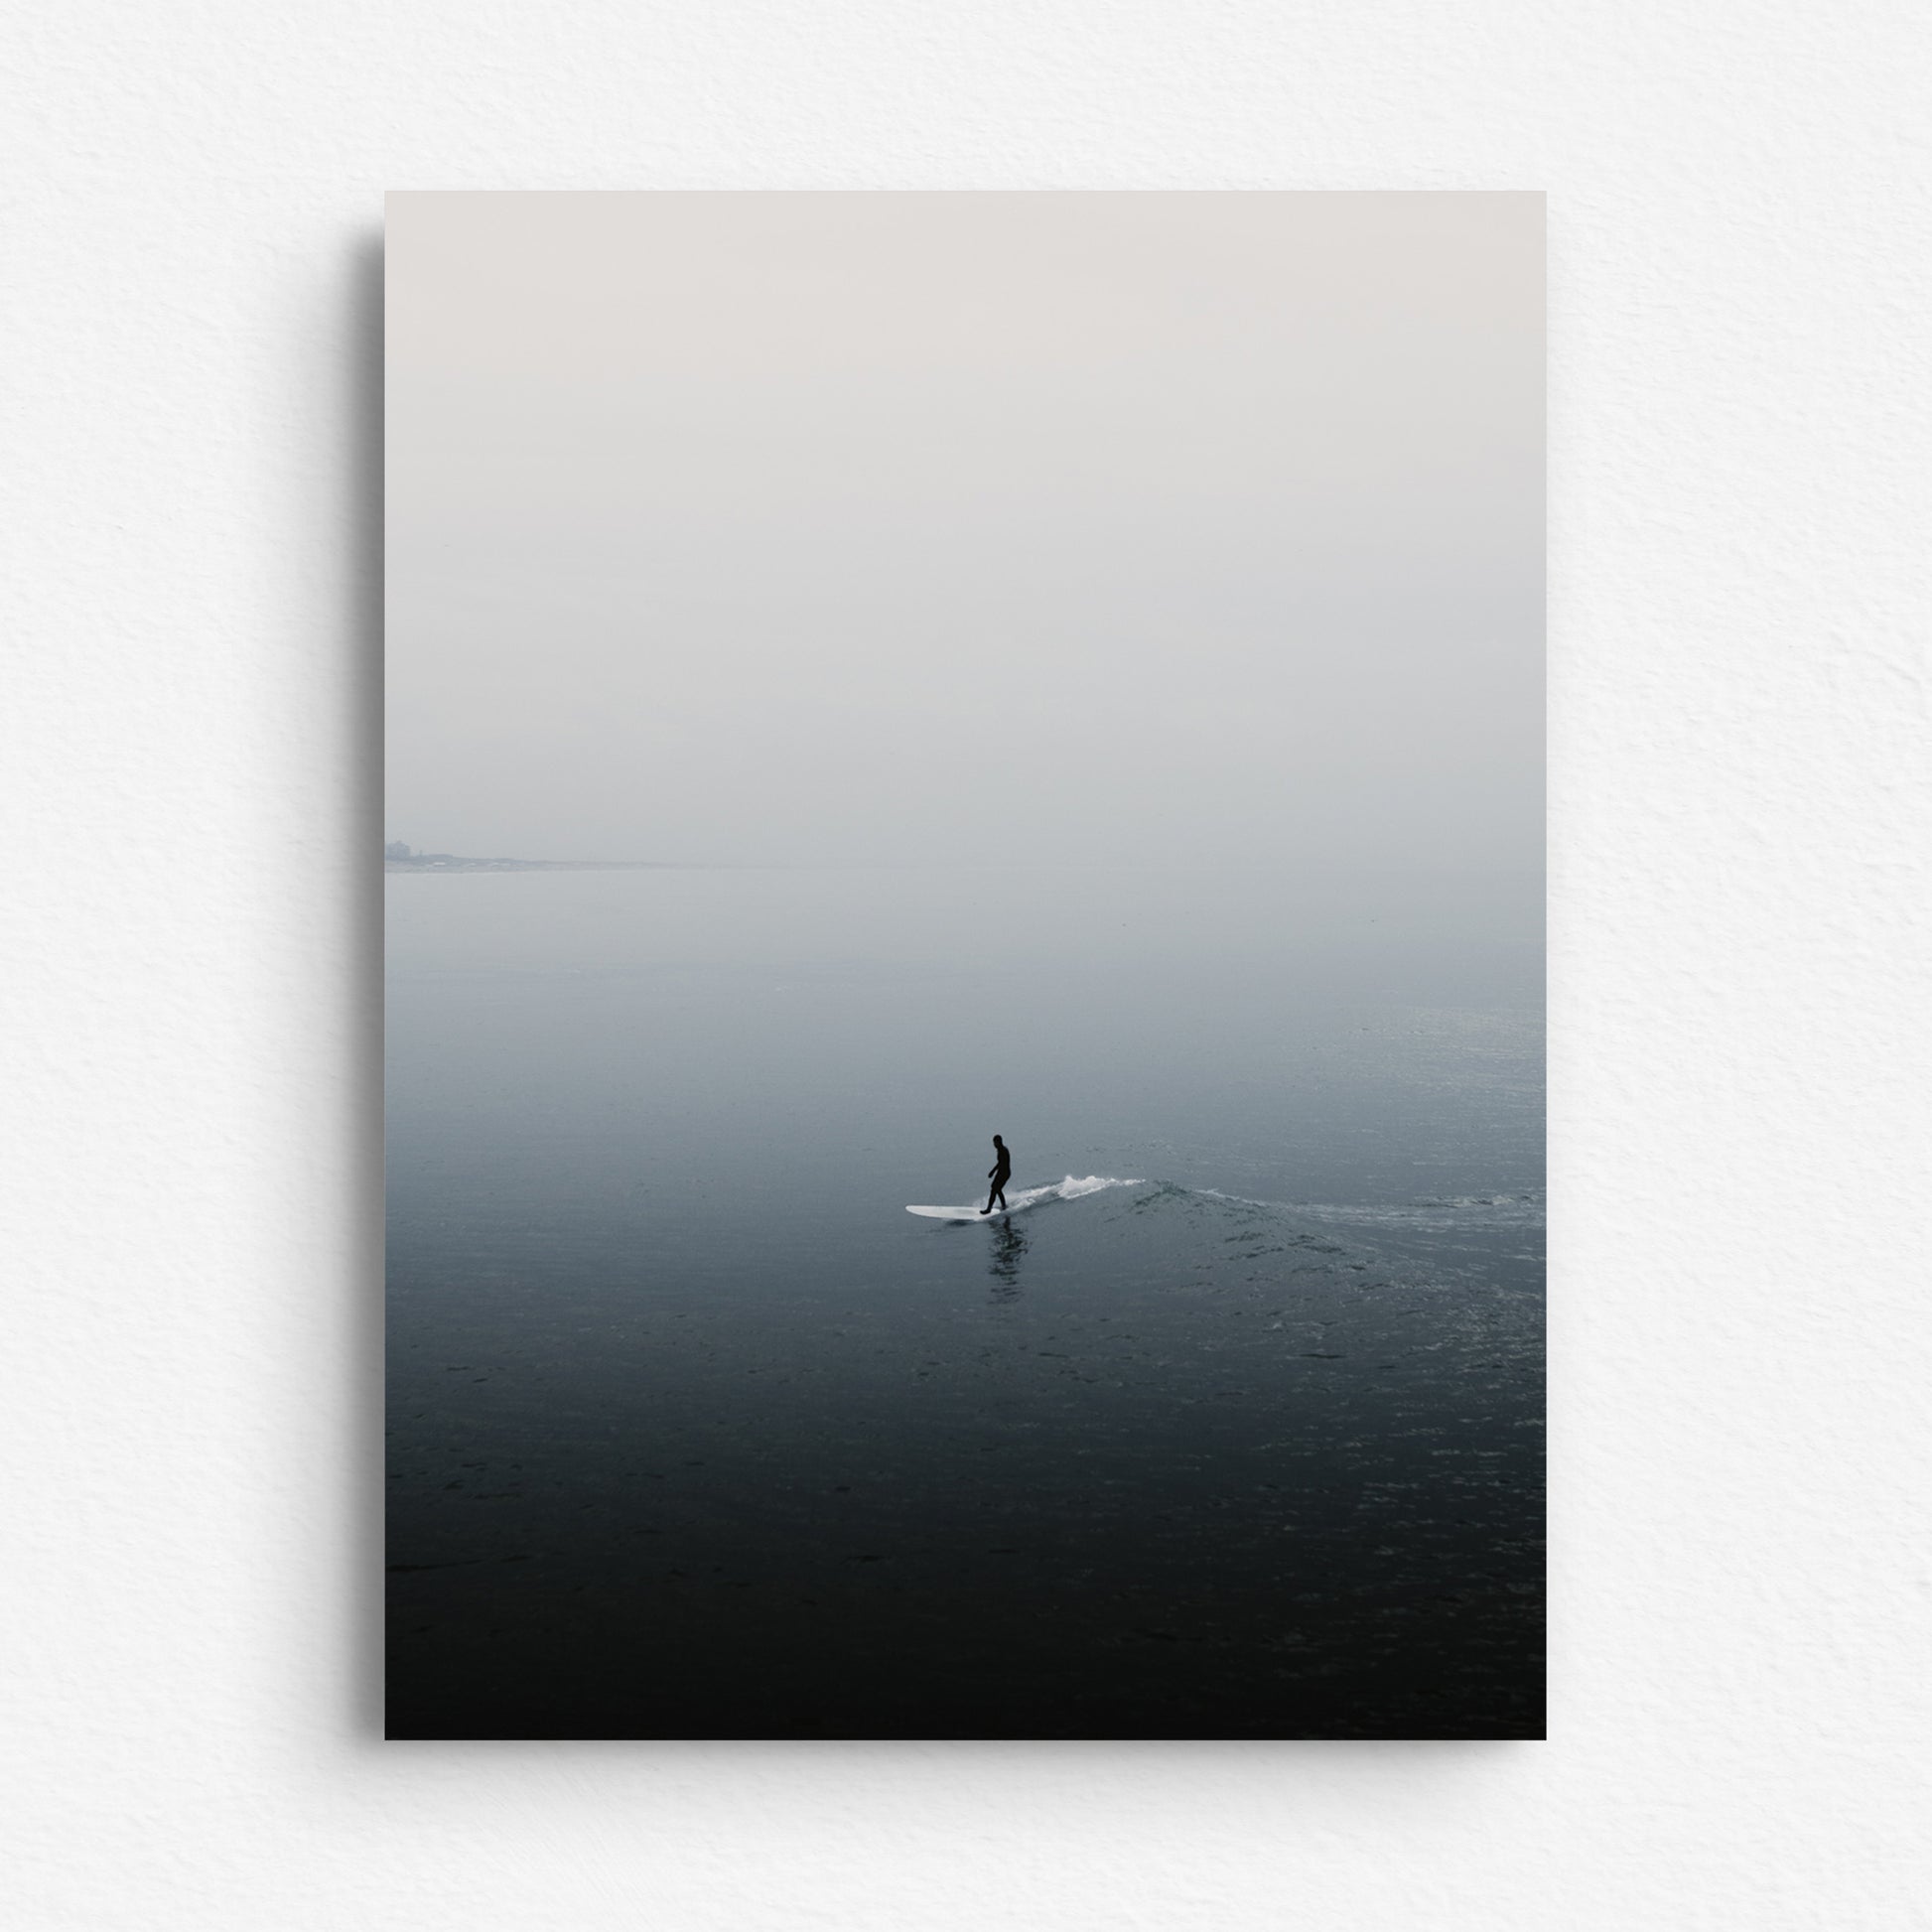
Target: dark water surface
[(694, 1432)]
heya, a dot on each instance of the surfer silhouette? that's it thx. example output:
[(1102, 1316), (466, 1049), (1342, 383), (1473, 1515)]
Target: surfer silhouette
[(1000, 1173)]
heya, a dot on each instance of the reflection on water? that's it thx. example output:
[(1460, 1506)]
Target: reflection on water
[(1009, 1244)]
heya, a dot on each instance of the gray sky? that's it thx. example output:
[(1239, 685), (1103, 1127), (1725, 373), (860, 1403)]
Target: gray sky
[(947, 528)]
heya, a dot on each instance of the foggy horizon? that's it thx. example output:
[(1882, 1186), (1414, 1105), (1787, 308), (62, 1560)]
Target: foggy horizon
[(876, 529), (646, 862)]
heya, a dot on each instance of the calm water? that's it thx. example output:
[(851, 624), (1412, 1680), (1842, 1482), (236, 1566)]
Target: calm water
[(695, 1432)]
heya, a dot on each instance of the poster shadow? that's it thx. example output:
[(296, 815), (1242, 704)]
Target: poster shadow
[(362, 566)]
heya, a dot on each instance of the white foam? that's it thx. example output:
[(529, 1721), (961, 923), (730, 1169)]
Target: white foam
[(1071, 1188)]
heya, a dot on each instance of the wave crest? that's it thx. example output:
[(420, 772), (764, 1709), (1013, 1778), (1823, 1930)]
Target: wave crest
[(1073, 1187)]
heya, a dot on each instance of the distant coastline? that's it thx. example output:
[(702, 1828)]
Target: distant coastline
[(453, 862)]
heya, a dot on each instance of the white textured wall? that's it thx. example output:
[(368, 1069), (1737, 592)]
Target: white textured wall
[(1740, 815)]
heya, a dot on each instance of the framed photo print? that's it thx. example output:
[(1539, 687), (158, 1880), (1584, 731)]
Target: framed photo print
[(965, 1099)]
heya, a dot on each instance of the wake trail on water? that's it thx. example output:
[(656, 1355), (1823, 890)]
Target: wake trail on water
[(1424, 1244), (1433, 1214)]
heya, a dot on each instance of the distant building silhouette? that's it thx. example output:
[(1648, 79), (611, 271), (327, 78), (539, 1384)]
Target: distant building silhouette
[(395, 849)]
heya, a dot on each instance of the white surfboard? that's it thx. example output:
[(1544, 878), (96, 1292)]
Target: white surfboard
[(1021, 1198)]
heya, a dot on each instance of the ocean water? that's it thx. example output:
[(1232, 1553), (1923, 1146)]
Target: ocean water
[(1232, 1429)]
